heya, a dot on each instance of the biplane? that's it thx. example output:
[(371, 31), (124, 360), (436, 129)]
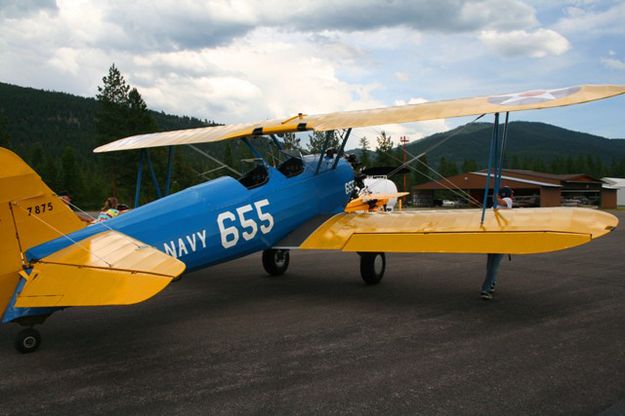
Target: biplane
[(49, 260)]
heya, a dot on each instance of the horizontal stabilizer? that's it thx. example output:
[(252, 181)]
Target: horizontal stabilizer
[(511, 231), (109, 268)]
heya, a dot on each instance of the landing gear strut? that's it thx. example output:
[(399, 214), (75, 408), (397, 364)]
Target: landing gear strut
[(276, 261), (27, 340), (372, 266)]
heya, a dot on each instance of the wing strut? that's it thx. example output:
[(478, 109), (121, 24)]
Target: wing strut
[(170, 169), (275, 141), (491, 151), (495, 162), (329, 135), (499, 166), (145, 155), (339, 154)]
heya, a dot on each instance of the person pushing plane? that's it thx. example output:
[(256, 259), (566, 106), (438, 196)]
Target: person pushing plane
[(504, 201)]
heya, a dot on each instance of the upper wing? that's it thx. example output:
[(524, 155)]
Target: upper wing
[(109, 268), (513, 231), (527, 100)]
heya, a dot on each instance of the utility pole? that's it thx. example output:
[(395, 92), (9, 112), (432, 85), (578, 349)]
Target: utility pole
[(403, 140)]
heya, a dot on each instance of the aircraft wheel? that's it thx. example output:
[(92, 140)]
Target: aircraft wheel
[(372, 266), (275, 261), (27, 340)]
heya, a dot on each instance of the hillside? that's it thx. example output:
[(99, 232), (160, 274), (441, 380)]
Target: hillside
[(526, 140), (46, 117)]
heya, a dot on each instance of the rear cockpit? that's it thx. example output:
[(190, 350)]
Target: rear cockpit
[(292, 166)]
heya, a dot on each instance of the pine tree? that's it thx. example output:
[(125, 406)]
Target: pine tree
[(469, 165), (570, 164), (228, 160), (538, 165), (317, 139), (292, 142), (422, 173), (37, 158), (447, 167), (4, 134), (122, 112), (514, 162), (50, 172), (139, 119), (383, 150), (114, 103), (364, 155), (70, 177)]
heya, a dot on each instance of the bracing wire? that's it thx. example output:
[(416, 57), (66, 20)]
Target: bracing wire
[(429, 149), (80, 210), (62, 234), (454, 189), (103, 223)]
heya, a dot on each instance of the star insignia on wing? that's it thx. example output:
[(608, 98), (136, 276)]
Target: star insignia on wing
[(532, 97)]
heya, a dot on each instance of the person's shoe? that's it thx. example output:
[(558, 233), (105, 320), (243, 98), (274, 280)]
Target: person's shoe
[(492, 289), (486, 296)]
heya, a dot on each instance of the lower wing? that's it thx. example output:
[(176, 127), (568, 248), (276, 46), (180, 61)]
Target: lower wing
[(513, 231)]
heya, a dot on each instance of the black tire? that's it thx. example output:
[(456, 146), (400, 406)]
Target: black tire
[(275, 261), (372, 266), (27, 340)]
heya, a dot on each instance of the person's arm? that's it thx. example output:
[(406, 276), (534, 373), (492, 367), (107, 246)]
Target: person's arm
[(501, 202)]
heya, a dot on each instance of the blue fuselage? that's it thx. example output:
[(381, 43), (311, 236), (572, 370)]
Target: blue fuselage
[(221, 219)]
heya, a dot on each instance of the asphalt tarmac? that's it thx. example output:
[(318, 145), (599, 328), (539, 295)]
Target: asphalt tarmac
[(229, 340)]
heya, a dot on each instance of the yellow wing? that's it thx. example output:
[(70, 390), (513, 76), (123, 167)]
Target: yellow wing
[(527, 100), (512, 231), (109, 268)]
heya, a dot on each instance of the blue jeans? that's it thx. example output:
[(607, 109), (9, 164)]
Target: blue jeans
[(492, 264)]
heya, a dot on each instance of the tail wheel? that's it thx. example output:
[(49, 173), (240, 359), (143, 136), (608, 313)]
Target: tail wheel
[(27, 340), (275, 261), (372, 266)]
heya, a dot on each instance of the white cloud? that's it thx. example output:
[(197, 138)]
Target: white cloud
[(402, 76), (246, 60), (262, 75), (65, 59), (498, 15), (20, 8), (591, 22), (537, 44), (168, 25), (613, 63)]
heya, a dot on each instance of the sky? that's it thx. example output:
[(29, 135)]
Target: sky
[(238, 61)]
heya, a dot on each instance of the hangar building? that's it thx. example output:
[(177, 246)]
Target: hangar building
[(531, 189), (619, 185)]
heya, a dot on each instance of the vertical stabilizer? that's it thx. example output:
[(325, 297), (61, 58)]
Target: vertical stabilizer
[(30, 214)]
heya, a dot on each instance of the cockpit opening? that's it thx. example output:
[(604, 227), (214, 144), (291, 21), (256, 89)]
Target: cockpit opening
[(255, 177)]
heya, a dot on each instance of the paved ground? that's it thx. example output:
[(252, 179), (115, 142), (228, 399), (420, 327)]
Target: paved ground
[(228, 340)]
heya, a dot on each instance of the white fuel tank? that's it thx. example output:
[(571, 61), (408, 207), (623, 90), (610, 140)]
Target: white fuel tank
[(381, 185)]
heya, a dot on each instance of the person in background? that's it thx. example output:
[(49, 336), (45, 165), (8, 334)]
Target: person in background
[(67, 199), (109, 210), (122, 208), (504, 201)]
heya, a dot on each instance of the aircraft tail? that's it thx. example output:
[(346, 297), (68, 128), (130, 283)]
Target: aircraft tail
[(30, 214)]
